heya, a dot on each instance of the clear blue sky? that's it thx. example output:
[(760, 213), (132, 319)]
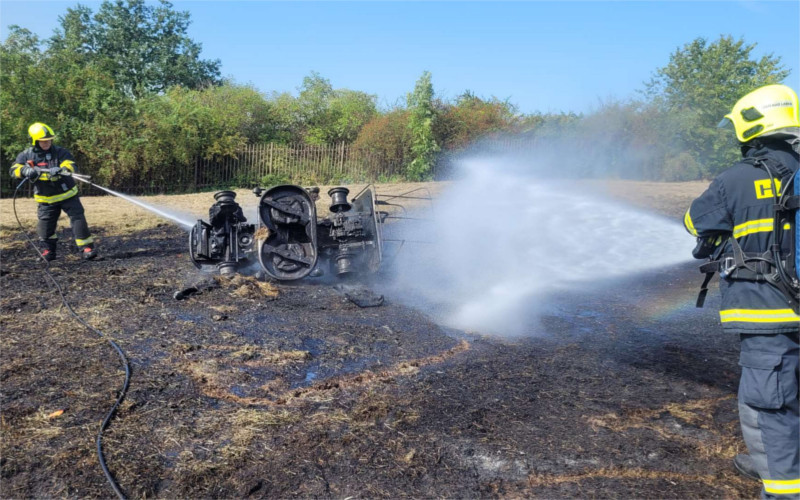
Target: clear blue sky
[(542, 56)]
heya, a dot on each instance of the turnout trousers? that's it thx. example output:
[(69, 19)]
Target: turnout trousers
[(48, 219), (769, 410)]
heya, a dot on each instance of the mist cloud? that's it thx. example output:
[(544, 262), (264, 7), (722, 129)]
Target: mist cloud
[(504, 236)]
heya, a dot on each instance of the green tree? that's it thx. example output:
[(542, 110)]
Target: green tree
[(388, 136), (471, 118), (94, 82), (349, 111), (172, 130), (20, 93), (701, 82), (420, 124), (57, 87), (329, 115), (75, 33), (85, 94), (312, 103), (288, 126), (143, 48)]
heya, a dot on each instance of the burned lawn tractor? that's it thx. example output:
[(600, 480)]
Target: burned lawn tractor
[(288, 241)]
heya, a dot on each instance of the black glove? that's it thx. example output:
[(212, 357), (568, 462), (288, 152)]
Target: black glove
[(707, 246), (31, 173), (53, 171)]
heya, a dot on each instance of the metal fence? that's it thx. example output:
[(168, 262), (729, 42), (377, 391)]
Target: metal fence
[(253, 165), (260, 164)]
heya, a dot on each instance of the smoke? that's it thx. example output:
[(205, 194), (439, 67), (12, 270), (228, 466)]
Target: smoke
[(504, 236)]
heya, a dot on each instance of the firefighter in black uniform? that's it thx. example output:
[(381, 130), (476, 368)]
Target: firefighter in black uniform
[(48, 167), (734, 222)]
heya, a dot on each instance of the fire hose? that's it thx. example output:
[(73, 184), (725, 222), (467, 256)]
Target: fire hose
[(120, 353)]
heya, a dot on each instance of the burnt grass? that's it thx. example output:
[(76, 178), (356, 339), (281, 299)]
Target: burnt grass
[(259, 389)]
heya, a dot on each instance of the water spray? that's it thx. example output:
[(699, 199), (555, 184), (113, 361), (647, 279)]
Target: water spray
[(504, 239), (87, 179)]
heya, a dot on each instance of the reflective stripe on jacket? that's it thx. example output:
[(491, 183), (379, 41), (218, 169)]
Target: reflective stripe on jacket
[(48, 189), (738, 203)]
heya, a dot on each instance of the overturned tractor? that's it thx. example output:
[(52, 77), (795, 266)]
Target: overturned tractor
[(289, 241)]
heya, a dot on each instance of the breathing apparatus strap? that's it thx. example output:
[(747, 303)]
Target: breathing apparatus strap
[(785, 277), (786, 205), (790, 202), (701, 297), (740, 266), (772, 166), (745, 266)]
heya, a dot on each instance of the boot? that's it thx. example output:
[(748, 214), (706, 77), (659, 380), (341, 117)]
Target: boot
[(744, 465), (88, 252), (48, 254), (48, 250)]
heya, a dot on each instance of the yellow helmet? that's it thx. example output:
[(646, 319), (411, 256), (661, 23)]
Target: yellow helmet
[(763, 111), (40, 132)]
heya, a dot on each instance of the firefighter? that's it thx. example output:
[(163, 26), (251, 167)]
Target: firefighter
[(49, 167), (733, 221)]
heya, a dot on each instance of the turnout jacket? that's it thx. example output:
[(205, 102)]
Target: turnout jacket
[(739, 204), (48, 189)]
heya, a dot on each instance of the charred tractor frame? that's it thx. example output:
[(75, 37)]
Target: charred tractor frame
[(288, 241)]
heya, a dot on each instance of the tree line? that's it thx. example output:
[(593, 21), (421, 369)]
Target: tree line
[(127, 92)]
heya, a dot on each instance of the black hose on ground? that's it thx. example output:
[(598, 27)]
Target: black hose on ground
[(122, 357)]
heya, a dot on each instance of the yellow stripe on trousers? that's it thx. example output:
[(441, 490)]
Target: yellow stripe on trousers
[(778, 487)]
